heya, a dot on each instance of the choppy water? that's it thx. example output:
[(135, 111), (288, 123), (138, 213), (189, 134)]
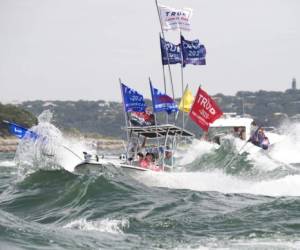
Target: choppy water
[(252, 204)]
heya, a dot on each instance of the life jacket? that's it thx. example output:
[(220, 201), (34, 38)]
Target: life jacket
[(257, 138)]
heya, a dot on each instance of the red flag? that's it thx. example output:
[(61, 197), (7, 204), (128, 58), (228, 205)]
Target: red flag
[(204, 110)]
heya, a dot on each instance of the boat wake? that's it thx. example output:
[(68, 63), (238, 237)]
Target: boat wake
[(201, 167), (204, 168), (220, 182), (288, 149)]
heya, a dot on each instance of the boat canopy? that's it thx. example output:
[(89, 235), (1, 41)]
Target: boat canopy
[(160, 131), (231, 120)]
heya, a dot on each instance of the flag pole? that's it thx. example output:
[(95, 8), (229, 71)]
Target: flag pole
[(187, 121), (163, 35), (125, 117), (183, 112), (155, 120), (164, 76), (182, 78)]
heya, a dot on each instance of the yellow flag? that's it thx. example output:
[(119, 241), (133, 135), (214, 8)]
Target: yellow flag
[(186, 101)]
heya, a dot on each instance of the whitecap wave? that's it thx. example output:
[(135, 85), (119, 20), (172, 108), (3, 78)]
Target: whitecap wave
[(7, 164), (218, 181), (50, 150), (196, 150), (275, 244), (288, 149), (106, 225)]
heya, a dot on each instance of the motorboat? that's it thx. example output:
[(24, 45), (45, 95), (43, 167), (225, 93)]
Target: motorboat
[(241, 128), (159, 141)]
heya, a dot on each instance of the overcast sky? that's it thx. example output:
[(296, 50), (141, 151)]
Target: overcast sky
[(77, 49)]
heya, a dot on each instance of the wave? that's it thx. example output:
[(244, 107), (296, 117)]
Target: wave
[(48, 191), (219, 181), (246, 244), (204, 168), (195, 151), (8, 163), (50, 150), (113, 226), (288, 149), (55, 208), (18, 233)]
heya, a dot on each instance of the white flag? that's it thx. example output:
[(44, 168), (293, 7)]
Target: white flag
[(173, 19)]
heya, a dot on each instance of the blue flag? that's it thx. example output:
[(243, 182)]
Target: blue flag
[(193, 52), (171, 50), (20, 131), (162, 102), (133, 101)]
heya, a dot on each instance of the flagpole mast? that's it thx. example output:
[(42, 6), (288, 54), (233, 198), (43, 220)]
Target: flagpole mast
[(182, 90), (164, 76), (183, 106), (155, 120), (163, 35), (125, 116)]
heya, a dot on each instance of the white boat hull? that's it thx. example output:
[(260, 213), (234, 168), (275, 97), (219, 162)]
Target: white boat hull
[(89, 167), (94, 166), (133, 168)]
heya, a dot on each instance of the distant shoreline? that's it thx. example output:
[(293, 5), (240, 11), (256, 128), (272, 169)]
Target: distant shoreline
[(10, 144)]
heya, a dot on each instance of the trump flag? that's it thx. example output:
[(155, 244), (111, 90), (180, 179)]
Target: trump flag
[(173, 19), (19, 131), (193, 52), (132, 100), (162, 102), (204, 110), (170, 53)]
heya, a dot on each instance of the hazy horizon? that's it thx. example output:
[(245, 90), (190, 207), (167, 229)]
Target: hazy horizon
[(72, 50), (117, 100)]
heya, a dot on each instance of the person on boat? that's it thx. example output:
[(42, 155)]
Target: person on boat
[(242, 133), (236, 131), (260, 139), (151, 162), (148, 161), (257, 137), (132, 148), (140, 159), (168, 160), (253, 127), (239, 132)]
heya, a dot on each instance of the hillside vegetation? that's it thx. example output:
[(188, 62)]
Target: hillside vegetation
[(268, 108), (15, 114)]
